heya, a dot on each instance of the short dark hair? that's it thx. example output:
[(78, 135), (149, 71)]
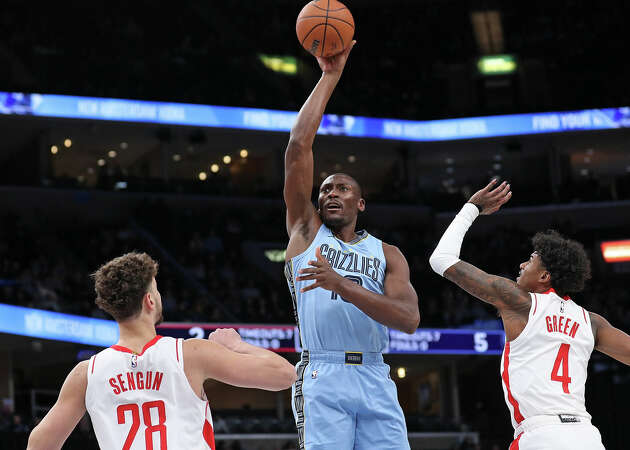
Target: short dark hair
[(121, 283), (565, 259)]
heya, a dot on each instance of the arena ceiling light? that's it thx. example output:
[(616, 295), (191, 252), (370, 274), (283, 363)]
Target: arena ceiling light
[(281, 64), (616, 251), (496, 65)]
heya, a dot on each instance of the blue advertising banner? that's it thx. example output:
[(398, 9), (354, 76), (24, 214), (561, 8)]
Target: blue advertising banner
[(57, 326), (280, 338), (62, 106)]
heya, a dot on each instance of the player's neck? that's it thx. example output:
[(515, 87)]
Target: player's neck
[(134, 334), (346, 233)]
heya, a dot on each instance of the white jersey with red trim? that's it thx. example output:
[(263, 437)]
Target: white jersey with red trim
[(144, 401), (544, 369)]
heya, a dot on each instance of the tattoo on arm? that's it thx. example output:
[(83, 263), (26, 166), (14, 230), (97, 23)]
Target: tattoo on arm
[(498, 291)]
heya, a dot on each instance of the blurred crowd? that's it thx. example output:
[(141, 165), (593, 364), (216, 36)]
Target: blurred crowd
[(14, 430), (214, 267)]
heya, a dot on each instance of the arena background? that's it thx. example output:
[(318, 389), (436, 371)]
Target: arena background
[(438, 96)]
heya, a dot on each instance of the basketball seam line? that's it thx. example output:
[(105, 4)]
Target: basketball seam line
[(331, 18), (311, 30), (325, 27), (343, 45), (322, 9)]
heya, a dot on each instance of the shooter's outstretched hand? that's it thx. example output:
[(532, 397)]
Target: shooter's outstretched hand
[(334, 64)]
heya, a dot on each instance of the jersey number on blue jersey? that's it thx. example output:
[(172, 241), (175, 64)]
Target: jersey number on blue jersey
[(357, 280)]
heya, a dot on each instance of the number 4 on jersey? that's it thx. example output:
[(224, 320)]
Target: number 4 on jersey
[(562, 359)]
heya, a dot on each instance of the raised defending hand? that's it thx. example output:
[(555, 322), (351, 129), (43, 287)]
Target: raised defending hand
[(335, 64), (491, 198), (227, 337), (323, 274)]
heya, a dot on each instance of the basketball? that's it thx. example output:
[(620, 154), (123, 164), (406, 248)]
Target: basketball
[(325, 27)]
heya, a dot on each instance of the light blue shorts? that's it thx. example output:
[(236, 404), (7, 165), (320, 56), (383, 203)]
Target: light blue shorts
[(341, 404)]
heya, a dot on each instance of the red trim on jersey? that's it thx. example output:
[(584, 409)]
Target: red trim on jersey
[(514, 445), (93, 363), (177, 349), (584, 312), (536, 304), (120, 348), (566, 297), (208, 433), (506, 379)]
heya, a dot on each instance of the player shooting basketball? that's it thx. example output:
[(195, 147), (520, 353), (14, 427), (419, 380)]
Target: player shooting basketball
[(147, 388), (549, 338), (347, 287)]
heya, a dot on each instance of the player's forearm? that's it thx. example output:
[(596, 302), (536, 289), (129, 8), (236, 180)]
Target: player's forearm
[(446, 254), (399, 314), (274, 358), (40, 439), (283, 372), (249, 349), (310, 116)]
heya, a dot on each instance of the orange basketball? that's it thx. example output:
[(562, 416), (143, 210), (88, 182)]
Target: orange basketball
[(325, 27)]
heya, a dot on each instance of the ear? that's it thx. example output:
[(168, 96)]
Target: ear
[(545, 277), (148, 301), (361, 205)]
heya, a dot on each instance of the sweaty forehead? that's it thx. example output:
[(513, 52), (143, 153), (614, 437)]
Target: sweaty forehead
[(340, 179)]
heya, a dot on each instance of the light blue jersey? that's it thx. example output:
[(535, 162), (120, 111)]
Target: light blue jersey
[(343, 398), (326, 321)]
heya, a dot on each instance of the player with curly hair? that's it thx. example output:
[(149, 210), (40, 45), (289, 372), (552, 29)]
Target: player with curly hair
[(148, 388), (548, 337)]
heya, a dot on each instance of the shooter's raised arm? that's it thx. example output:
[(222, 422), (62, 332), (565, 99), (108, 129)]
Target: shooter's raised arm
[(298, 160)]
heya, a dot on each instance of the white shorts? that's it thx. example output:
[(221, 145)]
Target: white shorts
[(551, 433)]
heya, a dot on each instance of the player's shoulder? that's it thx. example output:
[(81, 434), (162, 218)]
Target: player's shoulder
[(77, 378), (395, 259), (82, 367), (195, 347), (392, 251)]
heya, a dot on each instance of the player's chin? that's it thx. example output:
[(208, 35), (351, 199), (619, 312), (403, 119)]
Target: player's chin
[(333, 220)]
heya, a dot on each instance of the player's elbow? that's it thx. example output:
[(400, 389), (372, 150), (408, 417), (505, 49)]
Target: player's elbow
[(434, 262), (285, 377), (35, 439), (297, 142), (439, 261), (289, 376), (412, 323)]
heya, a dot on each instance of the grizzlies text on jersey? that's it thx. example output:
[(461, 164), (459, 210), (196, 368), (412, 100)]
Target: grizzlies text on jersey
[(326, 321)]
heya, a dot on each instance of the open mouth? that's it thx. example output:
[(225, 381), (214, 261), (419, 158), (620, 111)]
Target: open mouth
[(333, 207)]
